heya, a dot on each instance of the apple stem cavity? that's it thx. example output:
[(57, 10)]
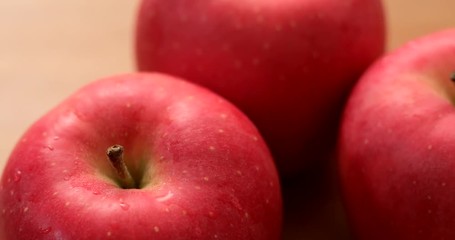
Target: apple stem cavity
[(453, 77), (115, 155)]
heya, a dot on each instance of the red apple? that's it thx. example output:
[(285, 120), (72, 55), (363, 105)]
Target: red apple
[(397, 144), (199, 169), (287, 64)]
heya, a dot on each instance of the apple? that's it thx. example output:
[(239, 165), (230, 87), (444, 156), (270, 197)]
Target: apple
[(288, 65), (397, 144), (141, 156)]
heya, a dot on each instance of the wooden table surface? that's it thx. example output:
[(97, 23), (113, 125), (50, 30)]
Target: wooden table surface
[(49, 48)]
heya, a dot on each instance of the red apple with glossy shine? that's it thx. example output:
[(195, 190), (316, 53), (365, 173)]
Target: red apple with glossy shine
[(181, 163), (287, 64), (397, 144)]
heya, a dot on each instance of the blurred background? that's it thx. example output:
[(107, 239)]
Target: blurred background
[(50, 48)]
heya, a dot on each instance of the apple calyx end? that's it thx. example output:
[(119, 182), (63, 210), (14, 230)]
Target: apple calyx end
[(115, 156)]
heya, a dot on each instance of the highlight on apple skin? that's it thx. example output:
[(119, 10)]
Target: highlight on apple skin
[(198, 167), (397, 144)]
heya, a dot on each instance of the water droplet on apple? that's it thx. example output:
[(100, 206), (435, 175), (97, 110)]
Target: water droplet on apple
[(17, 176), (66, 178), (56, 138), (45, 230), (50, 148), (124, 206), (96, 192)]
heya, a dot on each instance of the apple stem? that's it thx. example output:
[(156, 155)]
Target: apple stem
[(115, 155)]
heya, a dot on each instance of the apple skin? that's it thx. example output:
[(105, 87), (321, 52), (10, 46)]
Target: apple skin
[(288, 65), (397, 144), (206, 172)]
